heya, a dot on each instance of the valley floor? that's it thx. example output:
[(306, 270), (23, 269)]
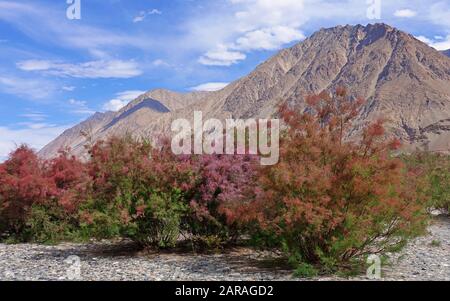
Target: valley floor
[(427, 258)]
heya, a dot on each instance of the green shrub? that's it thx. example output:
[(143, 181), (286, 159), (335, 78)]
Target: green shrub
[(160, 223), (436, 171), (49, 224)]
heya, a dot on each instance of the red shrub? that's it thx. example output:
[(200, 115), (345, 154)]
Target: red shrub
[(331, 198), (71, 178), (137, 190), (22, 184), (27, 181), (227, 184)]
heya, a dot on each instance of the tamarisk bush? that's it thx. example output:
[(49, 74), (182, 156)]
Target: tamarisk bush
[(136, 191), (226, 184), (332, 200), (38, 199), (22, 184)]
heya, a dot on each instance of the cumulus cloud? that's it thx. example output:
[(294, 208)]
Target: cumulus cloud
[(214, 86), (257, 25), (92, 69), (221, 57), (405, 13), (114, 105), (268, 38), (121, 100)]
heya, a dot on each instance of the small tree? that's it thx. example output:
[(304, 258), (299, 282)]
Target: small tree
[(39, 199), (137, 191), (22, 185), (332, 199)]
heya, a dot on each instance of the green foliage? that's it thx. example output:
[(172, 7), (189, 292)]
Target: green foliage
[(305, 270), (49, 225), (436, 172), (436, 243), (160, 224)]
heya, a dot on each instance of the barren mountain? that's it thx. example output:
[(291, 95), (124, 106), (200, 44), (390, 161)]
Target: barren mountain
[(403, 80), (446, 52)]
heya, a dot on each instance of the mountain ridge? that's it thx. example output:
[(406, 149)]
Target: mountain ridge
[(403, 80)]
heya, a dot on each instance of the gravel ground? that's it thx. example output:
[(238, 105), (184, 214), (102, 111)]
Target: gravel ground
[(427, 258)]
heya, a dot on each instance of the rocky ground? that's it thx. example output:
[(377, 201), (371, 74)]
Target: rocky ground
[(427, 258)]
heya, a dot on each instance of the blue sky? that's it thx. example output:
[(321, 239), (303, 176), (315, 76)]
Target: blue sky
[(55, 72)]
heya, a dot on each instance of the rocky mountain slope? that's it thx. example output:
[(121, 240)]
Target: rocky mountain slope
[(403, 80)]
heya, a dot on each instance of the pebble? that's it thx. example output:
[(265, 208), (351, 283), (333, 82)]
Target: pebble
[(118, 261)]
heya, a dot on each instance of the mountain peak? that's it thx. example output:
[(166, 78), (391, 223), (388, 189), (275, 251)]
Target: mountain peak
[(403, 80)]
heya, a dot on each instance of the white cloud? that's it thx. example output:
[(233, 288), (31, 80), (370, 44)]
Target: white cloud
[(129, 95), (424, 39), (215, 86), (160, 63), (405, 13), (441, 44), (155, 12), (27, 88), (93, 69), (35, 65), (36, 125), (221, 57), (439, 13), (34, 135), (68, 88), (143, 14), (80, 107), (34, 116), (46, 24), (121, 100), (138, 19), (268, 38), (114, 105), (256, 25)]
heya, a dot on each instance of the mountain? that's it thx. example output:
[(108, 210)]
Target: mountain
[(446, 52), (403, 80)]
